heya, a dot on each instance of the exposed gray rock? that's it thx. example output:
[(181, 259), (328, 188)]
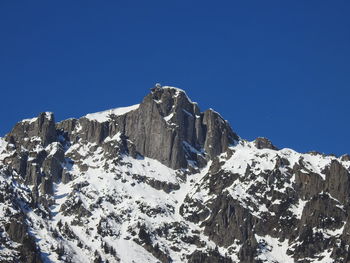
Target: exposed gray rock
[(75, 208), (323, 212), (93, 131), (66, 177), (264, 143), (27, 133), (219, 134), (202, 212), (152, 135), (229, 221), (146, 241), (46, 186), (166, 126), (18, 232), (33, 176), (159, 185), (338, 181), (52, 166), (19, 164), (211, 257), (308, 184), (345, 158)]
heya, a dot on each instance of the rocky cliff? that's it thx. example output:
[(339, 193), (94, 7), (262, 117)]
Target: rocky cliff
[(162, 181)]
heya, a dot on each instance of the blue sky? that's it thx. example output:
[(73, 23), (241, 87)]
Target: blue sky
[(279, 69)]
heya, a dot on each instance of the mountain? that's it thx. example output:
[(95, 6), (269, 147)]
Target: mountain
[(164, 182)]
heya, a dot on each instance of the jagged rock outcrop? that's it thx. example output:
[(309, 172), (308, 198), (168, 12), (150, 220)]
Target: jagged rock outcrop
[(228, 221), (210, 257), (345, 158), (18, 232), (264, 143), (338, 181), (15, 234), (166, 126), (26, 133)]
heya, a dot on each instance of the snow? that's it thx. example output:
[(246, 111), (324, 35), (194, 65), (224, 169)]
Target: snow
[(330, 232), (138, 253), (171, 115), (292, 156), (29, 120), (52, 148), (335, 232), (48, 115), (121, 186), (116, 137), (245, 153), (188, 113), (106, 185), (151, 169), (103, 116), (3, 145), (326, 257), (126, 194), (178, 91), (167, 118), (275, 251), (190, 148), (316, 163), (214, 111), (297, 210)]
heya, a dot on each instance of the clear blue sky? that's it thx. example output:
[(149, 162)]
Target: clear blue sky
[(279, 69)]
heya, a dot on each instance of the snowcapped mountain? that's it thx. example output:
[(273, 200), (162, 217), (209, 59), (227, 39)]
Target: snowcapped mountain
[(164, 182)]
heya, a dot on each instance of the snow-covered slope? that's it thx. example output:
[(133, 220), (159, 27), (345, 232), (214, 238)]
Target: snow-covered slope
[(104, 115), (163, 182)]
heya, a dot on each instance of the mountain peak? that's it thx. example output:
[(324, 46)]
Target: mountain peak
[(162, 181), (178, 122), (166, 126), (174, 91)]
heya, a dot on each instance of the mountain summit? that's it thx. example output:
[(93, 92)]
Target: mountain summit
[(162, 181), (166, 126)]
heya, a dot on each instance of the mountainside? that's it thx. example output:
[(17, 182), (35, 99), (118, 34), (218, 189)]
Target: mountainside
[(164, 182)]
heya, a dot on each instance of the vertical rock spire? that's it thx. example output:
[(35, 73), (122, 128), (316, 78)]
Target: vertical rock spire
[(169, 127)]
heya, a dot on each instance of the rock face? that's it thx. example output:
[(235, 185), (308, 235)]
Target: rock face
[(18, 232), (41, 128), (170, 128), (164, 182), (166, 126), (264, 143)]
